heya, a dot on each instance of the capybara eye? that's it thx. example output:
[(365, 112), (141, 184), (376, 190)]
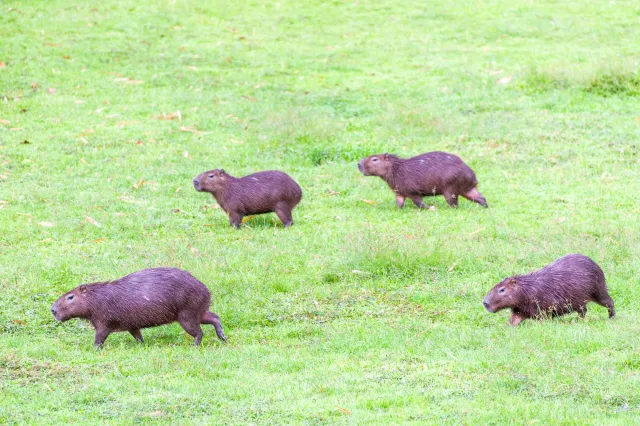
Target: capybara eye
[(374, 160), (501, 290), (211, 176), (69, 297)]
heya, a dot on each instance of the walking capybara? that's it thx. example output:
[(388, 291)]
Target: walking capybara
[(143, 299), (564, 286), (430, 174), (258, 193)]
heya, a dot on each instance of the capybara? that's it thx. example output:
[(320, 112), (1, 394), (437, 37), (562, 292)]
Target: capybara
[(564, 286), (258, 193), (430, 174), (143, 299)]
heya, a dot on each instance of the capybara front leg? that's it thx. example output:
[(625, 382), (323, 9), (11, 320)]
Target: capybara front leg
[(137, 335), (284, 214), (475, 196), (400, 200), (101, 335), (607, 302), (419, 202), (193, 328), (235, 219), (214, 320), (515, 319), (451, 198)]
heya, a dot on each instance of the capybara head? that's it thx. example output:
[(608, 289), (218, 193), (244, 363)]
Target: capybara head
[(376, 165), (72, 304), (211, 181), (502, 296)]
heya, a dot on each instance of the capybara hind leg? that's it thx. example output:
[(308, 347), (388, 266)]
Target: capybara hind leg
[(284, 214), (451, 198), (101, 335), (419, 202), (400, 200), (515, 319), (235, 219), (136, 334), (193, 328), (214, 320), (582, 311), (475, 196)]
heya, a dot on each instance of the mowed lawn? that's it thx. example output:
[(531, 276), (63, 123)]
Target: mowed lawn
[(360, 313)]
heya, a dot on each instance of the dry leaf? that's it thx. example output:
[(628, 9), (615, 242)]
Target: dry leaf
[(478, 230), (210, 207), (5, 122), (4, 177), (51, 90), (84, 141), (139, 142), (192, 68), (19, 322), (176, 211), (246, 219), (2, 64), (193, 250), (452, 267), (47, 224), (99, 240), (373, 203), (171, 116), (344, 410), (250, 98), (229, 60), (178, 189), (190, 130), (331, 193), (34, 86), (3, 203), (139, 184), (92, 221), (505, 80)]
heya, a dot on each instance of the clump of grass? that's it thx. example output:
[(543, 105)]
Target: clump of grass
[(614, 83), (605, 83)]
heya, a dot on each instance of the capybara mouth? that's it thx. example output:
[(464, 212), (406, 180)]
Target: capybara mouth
[(362, 170), (488, 307)]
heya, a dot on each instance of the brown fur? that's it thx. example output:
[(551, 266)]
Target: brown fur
[(430, 174), (258, 193), (564, 286), (143, 299)]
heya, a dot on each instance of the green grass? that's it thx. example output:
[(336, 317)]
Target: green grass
[(359, 313)]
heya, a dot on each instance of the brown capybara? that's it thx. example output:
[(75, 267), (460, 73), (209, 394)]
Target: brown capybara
[(564, 286), (258, 193), (143, 299), (430, 174)]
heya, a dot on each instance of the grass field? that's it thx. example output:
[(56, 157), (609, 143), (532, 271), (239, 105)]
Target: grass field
[(360, 313)]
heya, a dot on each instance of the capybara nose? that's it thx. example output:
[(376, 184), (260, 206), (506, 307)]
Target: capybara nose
[(196, 184), (360, 165), (485, 304), (53, 311)]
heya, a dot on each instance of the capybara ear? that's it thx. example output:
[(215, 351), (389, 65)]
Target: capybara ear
[(512, 282), (386, 157), (82, 289)]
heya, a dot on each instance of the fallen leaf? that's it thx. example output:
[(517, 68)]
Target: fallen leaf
[(2, 64), (92, 221), (178, 189), (190, 130), (210, 207), (3, 203), (452, 267), (176, 211), (15, 129), (84, 141), (139, 142), (171, 116), (51, 90), (229, 60), (47, 224), (5, 122), (48, 43), (344, 410), (192, 68), (4, 177), (331, 193), (66, 57), (373, 203), (34, 86), (505, 80), (83, 161), (250, 98), (559, 220), (478, 230), (19, 322), (139, 184), (193, 250), (246, 219), (99, 240)]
